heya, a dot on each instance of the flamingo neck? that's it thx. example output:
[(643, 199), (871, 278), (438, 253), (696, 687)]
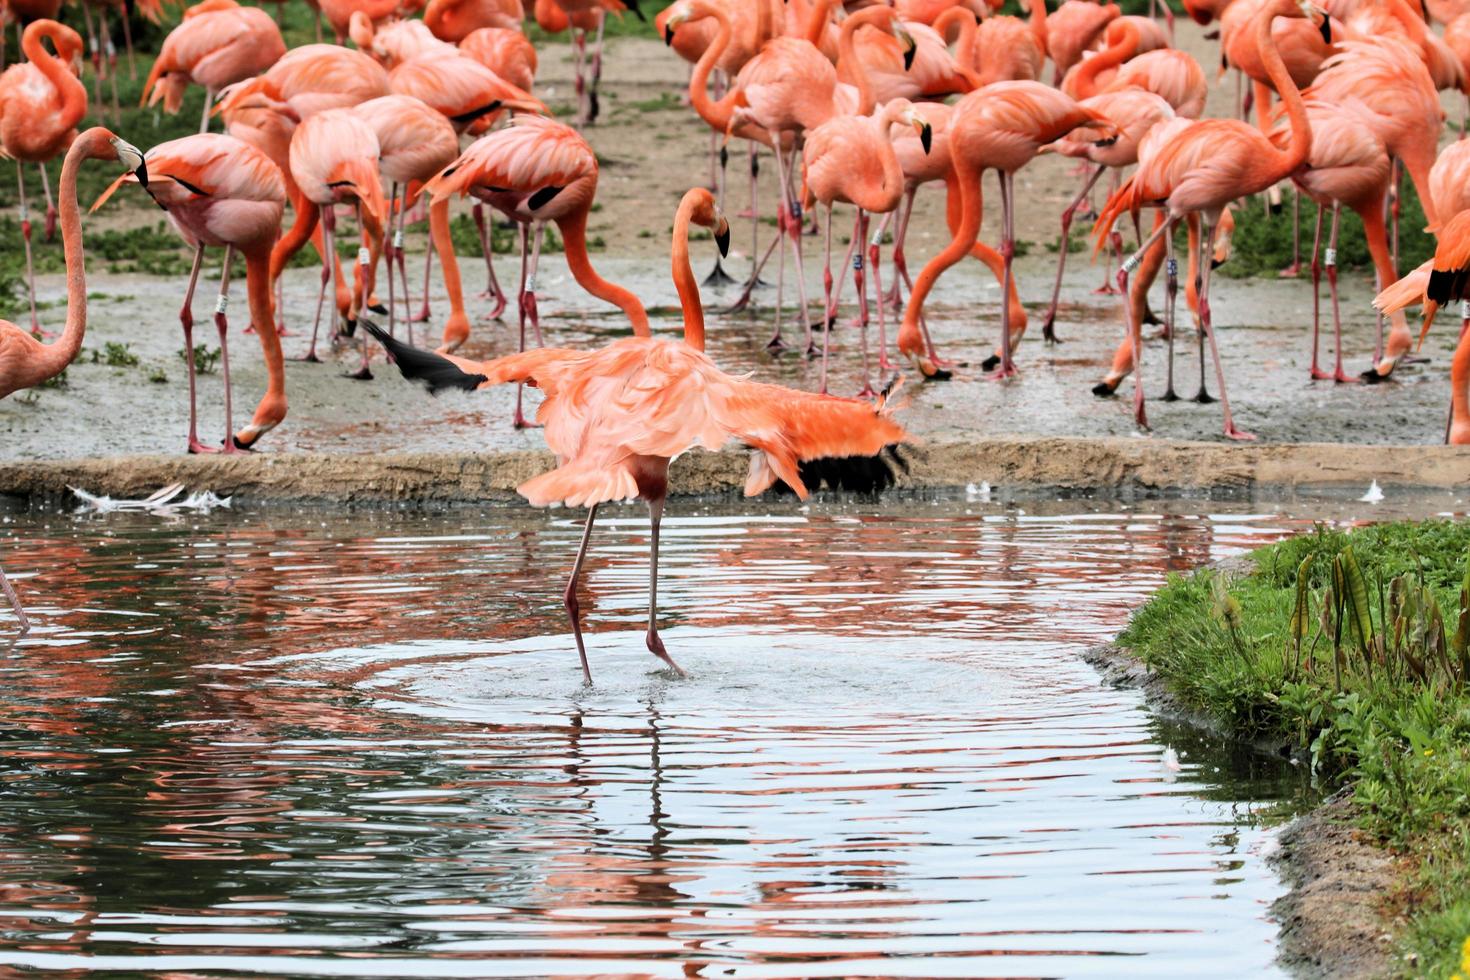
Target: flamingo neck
[(272, 407), (684, 277), (57, 356), (817, 20), (847, 59), (574, 240), (1280, 163), (965, 62), (1037, 22), (1112, 56), (73, 93), (716, 114)]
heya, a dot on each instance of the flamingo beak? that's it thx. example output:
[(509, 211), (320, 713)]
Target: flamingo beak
[(722, 234), (132, 158), (677, 18), (909, 45), (926, 132)]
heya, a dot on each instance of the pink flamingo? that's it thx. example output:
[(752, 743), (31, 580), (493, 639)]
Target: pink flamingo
[(26, 362), (222, 192), (41, 102), (219, 43), (1202, 166)]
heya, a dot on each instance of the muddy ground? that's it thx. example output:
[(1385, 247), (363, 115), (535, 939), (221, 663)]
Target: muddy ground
[(652, 149)]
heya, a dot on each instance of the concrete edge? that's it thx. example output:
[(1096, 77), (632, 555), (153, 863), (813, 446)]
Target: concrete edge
[(1114, 465)]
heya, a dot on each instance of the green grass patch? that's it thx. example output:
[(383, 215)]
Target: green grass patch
[(1355, 646)]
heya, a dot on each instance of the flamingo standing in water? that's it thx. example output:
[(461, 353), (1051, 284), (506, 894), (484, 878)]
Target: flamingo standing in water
[(616, 417), (534, 171), (219, 43), (1201, 167), (41, 102), (26, 362), (222, 192)]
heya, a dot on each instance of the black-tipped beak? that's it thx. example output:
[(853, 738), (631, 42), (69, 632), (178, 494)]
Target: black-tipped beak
[(669, 34), (633, 6), (722, 238), (926, 138), (142, 173), (908, 56), (1326, 30)]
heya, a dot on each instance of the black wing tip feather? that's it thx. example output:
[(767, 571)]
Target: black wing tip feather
[(852, 474), (1448, 285), (437, 373)]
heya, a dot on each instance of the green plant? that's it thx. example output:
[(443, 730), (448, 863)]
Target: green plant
[(158, 376), (117, 355), (206, 358)]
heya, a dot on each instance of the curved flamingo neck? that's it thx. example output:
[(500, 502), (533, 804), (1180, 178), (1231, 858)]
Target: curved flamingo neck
[(1037, 22), (717, 114), (574, 240), (57, 356), (965, 60), (847, 59), (73, 93), (891, 186), (1280, 163), (272, 407), (684, 275), (817, 20), (1125, 47)]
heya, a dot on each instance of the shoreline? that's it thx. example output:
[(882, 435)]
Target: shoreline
[(1125, 468)]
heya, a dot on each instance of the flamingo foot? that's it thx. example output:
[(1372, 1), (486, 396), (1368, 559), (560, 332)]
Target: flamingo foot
[(1049, 332), (197, 448), (1343, 378), (886, 366), (1104, 389), (718, 276), (519, 422), (1291, 271), (499, 308), (1170, 395), (1239, 435), (1203, 397), (867, 391), (1374, 376), (308, 358), (1106, 289), (1320, 375), (363, 373)]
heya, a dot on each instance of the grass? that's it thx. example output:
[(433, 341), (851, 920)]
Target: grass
[(1355, 646)]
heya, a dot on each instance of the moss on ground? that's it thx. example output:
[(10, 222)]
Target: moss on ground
[(1355, 646)]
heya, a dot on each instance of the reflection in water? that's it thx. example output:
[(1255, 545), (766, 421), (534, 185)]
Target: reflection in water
[(358, 745)]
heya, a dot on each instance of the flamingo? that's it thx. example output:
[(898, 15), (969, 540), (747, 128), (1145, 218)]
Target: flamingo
[(1438, 282), (555, 16), (1125, 41), (220, 191), (533, 171), (219, 43), (339, 13), (1073, 28), (26, 362), (1008, 49), (41, 102), (617, 416), (334, 159), (396, 41), (509, 54), (1347, 165), (454, 20), (850, 160), (1202, 166), (1001, 126), (415, 143)]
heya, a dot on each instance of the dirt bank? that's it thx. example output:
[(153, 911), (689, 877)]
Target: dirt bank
[(1116, 467)]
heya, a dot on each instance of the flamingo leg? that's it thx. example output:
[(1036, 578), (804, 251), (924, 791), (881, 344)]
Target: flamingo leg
[(594, 108), (874, 245), (718, 276), (655, 642), (204, 116), (579, 50), (1048, 327), (14, 600), (828, 295), (1339, 375), (1206, 250), (364, 371), (96, 53), (111, 53), (1317, 374), (401, 258), (1007, 368), (390, 239), (574, 608), (487, 242), (1171, 300), (222, 325), (327, 265), (1202, 269), (132, 57), (423, 314), (901, 275), (835, 300), (793, 228), (50, 227), (186, 320), (25, 234), (860, 283)]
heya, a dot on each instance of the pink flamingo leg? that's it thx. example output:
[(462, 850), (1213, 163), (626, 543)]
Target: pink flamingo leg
[(50, 203), (1317, 374), (827, 290), (594, 108), (874, 246), (14, 600), (423, 313), (111, 52), (96, 54), (364, 371), (1171, 301), (208, 105), (574, 608), (25, 234), (655, 642), (390, 242), (1340, 375), (900, 263), (579, 49), (1206, 250), (327, 265), (794, 225), (859, 281), (222, 325), (186, 320), (1048, 327), (1007, 368), (487, 241), (841, 279)]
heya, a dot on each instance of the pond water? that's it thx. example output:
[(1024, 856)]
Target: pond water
[(357, 744)]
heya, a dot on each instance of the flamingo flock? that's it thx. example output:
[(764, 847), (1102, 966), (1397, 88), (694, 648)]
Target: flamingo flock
[(410, 108)]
